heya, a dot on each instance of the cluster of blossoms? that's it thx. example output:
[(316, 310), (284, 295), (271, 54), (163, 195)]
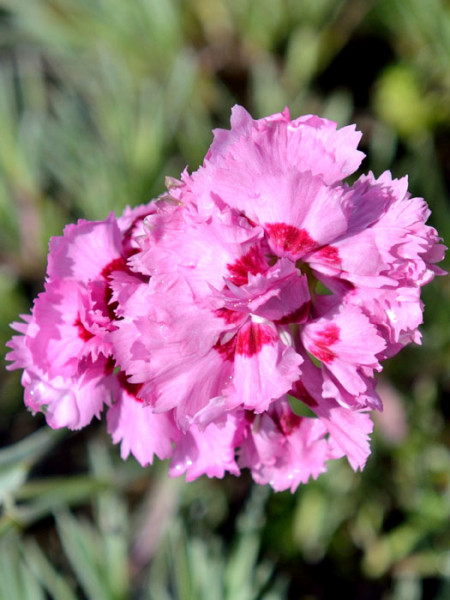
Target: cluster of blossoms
[(237, 320)]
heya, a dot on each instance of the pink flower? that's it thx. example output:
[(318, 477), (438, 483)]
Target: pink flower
[(257, 284), (139, 430), (68, 364), (283, 449), (68, 400), (209, 451)]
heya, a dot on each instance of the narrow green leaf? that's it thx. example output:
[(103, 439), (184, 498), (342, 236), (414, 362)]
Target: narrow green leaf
[(31, 449), (82, 547), (9, 576), (300, 408), (31, 589), (112, 518), (46, 573)]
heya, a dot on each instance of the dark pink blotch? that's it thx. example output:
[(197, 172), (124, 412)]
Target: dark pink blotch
[(252, 262), (288, 422), (231, 317), (132, 389), (227, 349), (299, 391), (323, 340), (297, 316), (252, 338), (289, 240), (117, 264), (330, 255), (83, 333), (128, 235)]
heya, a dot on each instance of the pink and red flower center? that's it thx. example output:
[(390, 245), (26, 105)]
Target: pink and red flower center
[(300, 315), (83, 333), (117, 264), (252, 337), (248, 341), (132, 389), (330, 255), (128, 234), (288, 240), (226, 349), (252, 262), (288, 422), (322, 342), (231, 317)]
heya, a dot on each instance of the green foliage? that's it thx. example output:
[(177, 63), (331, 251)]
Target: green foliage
[(99, 101), (91, 555)]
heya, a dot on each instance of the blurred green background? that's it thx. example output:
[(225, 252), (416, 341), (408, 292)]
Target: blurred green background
[(99, 101)]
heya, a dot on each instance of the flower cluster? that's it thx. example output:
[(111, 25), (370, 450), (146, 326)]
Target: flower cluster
[(236, 321)]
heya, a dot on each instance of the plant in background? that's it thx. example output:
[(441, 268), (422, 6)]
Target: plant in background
[(237, 320)]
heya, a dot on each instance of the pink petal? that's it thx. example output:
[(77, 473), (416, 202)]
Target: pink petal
[(309, 143), (280, 295), (348, 427), (345, 341), (84, 250), (264, 368), (68, 402), (284, 450), (209, 451), (140, 431)]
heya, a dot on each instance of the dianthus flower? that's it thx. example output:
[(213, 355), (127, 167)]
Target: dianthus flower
[(257, 288)]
